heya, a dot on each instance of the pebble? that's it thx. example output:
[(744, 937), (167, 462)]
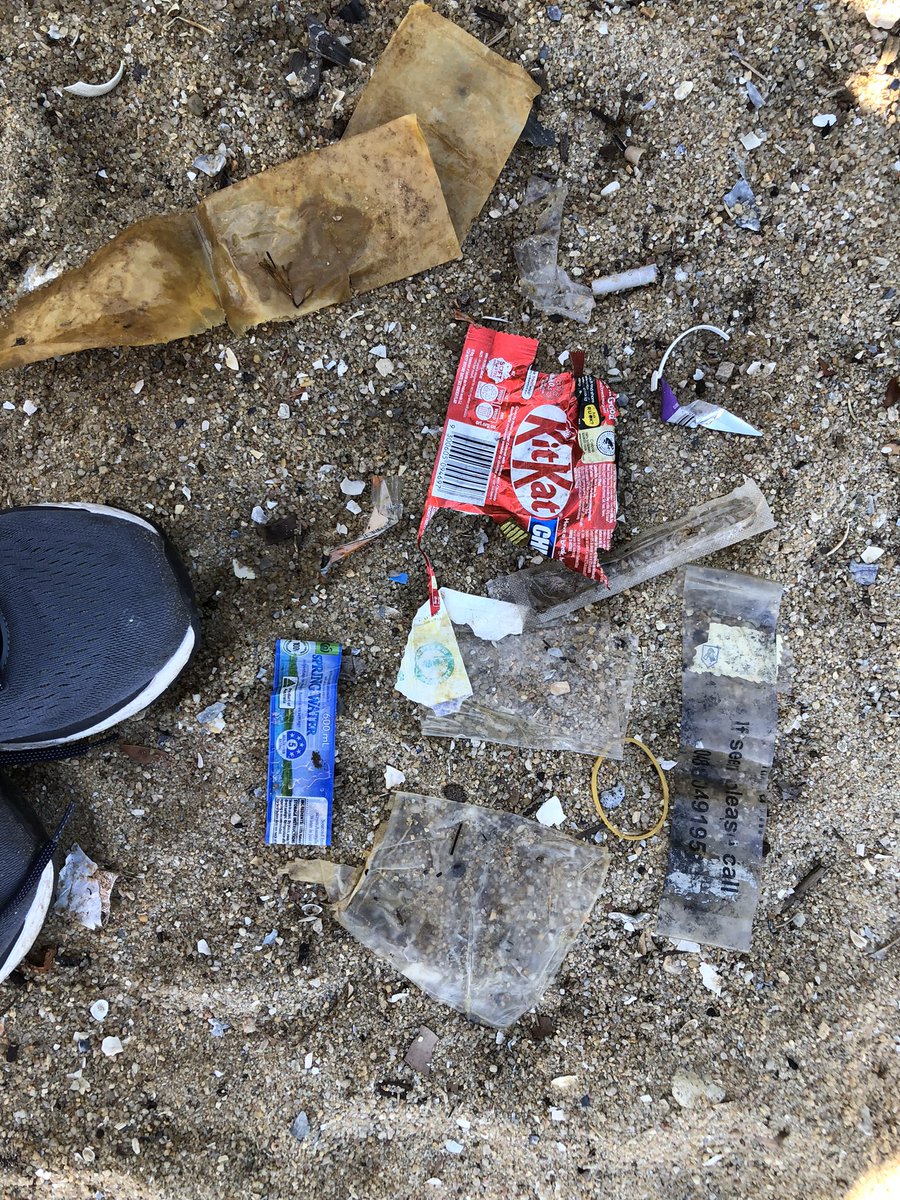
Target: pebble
[(688, 1088)]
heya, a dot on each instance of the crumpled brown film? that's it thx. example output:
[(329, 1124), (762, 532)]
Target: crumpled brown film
[(472, 105), (345, 219)]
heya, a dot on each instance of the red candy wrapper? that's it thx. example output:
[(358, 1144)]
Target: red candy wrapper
[(535, 452)]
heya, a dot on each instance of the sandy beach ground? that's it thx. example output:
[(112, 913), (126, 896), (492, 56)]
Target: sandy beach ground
[(222, 1051)]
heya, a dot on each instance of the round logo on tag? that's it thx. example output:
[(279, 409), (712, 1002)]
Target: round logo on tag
[(434, 663), (300, 648), (291, 744)]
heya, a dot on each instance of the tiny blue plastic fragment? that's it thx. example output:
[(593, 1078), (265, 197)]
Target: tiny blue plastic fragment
[(400, 577), (864, 574)]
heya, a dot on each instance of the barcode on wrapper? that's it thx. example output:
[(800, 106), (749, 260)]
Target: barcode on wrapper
[(467, 459)]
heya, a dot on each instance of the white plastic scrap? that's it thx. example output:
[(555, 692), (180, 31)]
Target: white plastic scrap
[(241, 571), (621, 281), (100, 1010), (84, 890), (36, 277), (711, 978), (111, 1046), (211, 164), (89, 90), (352, 487), (213, 717), (393, 778), (551, 813), (823, 120)]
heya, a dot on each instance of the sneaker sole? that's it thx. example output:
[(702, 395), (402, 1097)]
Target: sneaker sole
[(160, 681), (34, 921)]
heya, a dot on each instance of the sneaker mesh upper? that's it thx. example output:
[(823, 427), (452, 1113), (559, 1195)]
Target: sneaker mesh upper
[(93, 609)]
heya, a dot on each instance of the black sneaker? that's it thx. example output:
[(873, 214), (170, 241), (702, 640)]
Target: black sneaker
[(97, 618), (27, 877)]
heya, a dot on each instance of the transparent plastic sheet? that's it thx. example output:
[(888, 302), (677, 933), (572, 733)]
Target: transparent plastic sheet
[(550, 592), (549, 288), (567, 689), (728, 726), (475, 906)]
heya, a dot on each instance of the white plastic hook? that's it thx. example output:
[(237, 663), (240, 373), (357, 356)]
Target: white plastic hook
[(657, 374)]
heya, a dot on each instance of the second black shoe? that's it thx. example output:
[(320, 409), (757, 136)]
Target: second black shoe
[(97, 618), (27, 876)]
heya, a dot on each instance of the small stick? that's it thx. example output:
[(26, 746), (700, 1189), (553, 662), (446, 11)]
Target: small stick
[(193, 25), (806, 884), (744, 63)]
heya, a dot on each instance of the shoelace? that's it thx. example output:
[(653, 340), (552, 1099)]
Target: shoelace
[(24, 758), (39, 864)]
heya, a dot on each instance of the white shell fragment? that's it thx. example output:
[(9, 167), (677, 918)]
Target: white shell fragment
[(89, 90), (684, 89), (751, 141), (884, 14), (823, 120), (100, 1010), (111, 1046)]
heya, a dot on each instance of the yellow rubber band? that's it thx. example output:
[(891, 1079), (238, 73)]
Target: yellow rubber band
[(649, 833)]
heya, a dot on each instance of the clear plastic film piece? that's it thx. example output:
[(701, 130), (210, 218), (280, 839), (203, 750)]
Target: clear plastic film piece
[(550, 593), (475, 906), (567, 689), (728, 725)]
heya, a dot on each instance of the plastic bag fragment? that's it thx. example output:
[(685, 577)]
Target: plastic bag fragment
[(741, 205), (728, 724), (549, 288), (471, 103), (288, 241), (387, 509), (699, 413), (562, 690), (432, 671), (550, 592), (476, 907), (85, 890)]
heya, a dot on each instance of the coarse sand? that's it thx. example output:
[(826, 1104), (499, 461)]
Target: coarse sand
[(796, 1060)]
